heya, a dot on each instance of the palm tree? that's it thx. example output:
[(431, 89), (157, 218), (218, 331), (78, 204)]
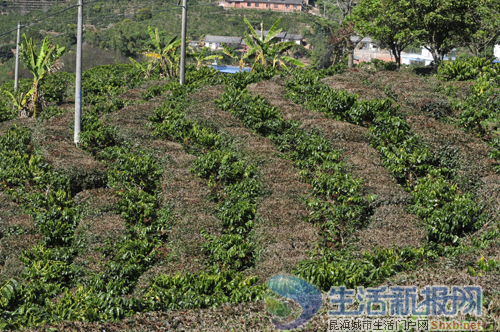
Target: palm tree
[(40, 65), (200, 57), (232, 54), (267, 51), (164, 57)]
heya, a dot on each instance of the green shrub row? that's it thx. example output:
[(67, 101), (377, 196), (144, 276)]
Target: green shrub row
[(469, 69), (235, 187), (340, 268), (321, 166), (49, 268), (44, 195), (233, 181), (404, 154), (479, 113)]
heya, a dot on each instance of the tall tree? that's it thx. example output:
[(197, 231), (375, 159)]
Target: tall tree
[(343, 40), (485, 28), (385, 21), (346, 7), (438, 24)]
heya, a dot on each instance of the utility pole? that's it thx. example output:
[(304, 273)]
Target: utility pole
[(16, 70), (78, 83), (183, 42)]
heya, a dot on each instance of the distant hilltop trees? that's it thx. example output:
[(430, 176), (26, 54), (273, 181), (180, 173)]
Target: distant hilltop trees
[(28, 4)]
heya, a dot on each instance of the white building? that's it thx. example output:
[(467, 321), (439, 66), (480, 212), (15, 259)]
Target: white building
[(496, 52), (424, 58)]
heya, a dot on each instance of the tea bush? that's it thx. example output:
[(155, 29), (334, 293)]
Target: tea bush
[(468, 69), (403, 153), (335, 268), (235, 182), (203, 290), (311, 152)]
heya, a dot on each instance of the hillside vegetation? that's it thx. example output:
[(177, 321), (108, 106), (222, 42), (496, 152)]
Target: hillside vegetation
[(116, 30), (182, 201)]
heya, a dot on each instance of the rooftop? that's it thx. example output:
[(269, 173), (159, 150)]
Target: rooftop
[(287, 2), (223, 39), (282, 34)]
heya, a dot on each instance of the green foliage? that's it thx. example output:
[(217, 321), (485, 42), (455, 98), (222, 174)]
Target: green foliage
[(266, 51), (229, 252), (404, 155), (203, 290), (387, 22), (131, 169), (469, 69), (143, 14), (40, 65), (381, 65), (335, 268), (7, 112), (495, 152), (95, 135), (443, 24), (101, 83), (447, 213), (58, 87)]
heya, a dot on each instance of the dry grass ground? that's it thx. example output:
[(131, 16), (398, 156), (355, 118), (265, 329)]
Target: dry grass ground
[(364, 163), (187, 194), (354, 81), (282, 234), (17, 233)]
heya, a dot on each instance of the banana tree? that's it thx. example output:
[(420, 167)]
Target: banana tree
[(228, 51), (267, 51), (40, 65), (19, 101), (164, 56), (200, 57)]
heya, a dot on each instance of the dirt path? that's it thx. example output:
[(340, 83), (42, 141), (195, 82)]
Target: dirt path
[(391, 224), (281, 229)]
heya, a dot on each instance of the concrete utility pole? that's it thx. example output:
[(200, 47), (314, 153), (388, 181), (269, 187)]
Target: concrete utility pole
[(78, 83), (183, 42), (16, 70)]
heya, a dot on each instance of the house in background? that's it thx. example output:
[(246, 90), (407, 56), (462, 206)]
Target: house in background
[(425, 58), (496, 52), (215, 42), (365, 44), (275, 5), (283, 36)]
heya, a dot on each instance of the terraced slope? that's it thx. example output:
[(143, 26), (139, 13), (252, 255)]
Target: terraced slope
[(181, 202)]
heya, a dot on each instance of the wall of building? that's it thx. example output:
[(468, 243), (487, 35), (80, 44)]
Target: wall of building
[(256, 5)]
